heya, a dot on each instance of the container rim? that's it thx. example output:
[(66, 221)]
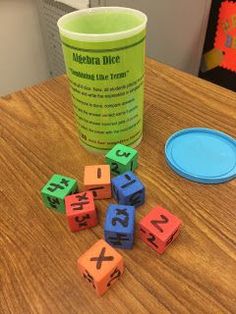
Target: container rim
[(104, 36)]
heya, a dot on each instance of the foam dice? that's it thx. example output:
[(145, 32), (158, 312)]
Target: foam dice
[(101, 266), (55, 191), (81, 211), (159, 228), (119, 226), (98, 180), (128, 189), (122, 158)]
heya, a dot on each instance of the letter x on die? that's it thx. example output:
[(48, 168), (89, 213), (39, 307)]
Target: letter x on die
[(101, 266), (119, 226), (55, 191), (81, 211)]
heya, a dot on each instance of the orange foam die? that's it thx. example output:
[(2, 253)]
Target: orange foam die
[(101, 266), (97, 179)]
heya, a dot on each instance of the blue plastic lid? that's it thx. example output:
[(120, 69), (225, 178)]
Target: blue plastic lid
[(202, 155)]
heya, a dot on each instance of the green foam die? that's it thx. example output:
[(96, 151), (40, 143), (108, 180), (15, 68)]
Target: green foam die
[(55, 191), (122, 158)]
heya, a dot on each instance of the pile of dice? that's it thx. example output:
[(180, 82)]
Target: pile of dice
[(102, 265)]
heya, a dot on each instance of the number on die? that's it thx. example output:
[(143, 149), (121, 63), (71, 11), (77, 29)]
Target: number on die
[(122, 158), (97, 179), (81, 211), (119, 226), (159, 228), (128, 189)]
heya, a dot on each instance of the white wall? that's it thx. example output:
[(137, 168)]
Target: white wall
[(176, 29), (176, 32), (23, 60)]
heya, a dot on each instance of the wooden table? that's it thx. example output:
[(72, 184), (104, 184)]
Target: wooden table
[(39, 253)]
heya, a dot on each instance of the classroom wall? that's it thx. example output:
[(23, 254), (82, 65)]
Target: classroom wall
[(176, 30), (172, 38), (23, 60)]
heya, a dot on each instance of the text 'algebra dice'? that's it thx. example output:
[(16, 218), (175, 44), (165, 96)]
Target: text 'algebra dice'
[(101, 266), (159, 228), (98, 180), (122, 158), (119, 226), (55, 191), (128, 189), (81, 211)]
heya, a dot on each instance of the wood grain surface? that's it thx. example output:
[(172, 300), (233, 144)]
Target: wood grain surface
[(197, 274)]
